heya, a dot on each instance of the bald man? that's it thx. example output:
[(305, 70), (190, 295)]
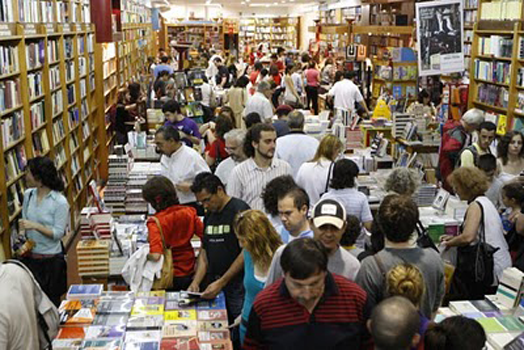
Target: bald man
[(394, 325)]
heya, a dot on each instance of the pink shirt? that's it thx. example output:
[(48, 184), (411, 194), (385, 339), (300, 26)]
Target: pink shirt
[(312, 77)]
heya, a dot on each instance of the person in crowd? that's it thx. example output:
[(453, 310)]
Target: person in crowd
[(510, 153), (45, 216), (223, 77), (20, 328), (151, 64), (236, 98), (296, 148), (260, 102), (161, 86), (406, 280), (216, 151), (163, 66), (274, 74), (342, 188), (454, 139), (291, 94), (281, 125), (346, 94), (212, 69), (403, 181), (394, 325), (314, 175), (274, 190), (252, 119), (327, 76), (264, 76), (281, 60), (328, 223), (234, 141), (175, 225), (254, 76), (259, 241), (208, 99), (456, 332), (251, 176), (338, 306), (349, 239), (513, 221), (161, 53), (469, 155), (423, 105), (397, 218), (186, 127), (180, 164), (488, 164), (313, 83), (471, 184), (220, 257), (293, 208), (128, 112)]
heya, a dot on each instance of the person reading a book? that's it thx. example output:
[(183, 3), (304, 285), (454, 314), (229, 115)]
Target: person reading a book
[(456, 332), (176, 225), (45, 215), (469, 155), (187, 127), (310, 308), (510, 152), (481, 218), (394, 325)]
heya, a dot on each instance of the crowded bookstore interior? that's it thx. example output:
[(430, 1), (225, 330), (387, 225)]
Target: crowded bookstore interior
[(261, 174)]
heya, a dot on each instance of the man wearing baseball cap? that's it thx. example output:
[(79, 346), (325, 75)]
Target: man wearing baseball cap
[(328, 223)]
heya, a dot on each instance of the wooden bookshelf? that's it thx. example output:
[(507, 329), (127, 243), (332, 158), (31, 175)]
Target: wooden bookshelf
[(278, 31)]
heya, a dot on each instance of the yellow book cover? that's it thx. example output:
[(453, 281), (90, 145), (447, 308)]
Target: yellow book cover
[(154, 309), (180, 315)]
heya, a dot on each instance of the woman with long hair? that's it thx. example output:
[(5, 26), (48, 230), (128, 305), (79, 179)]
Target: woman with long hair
[(313, 176), (45, 215), (260, 241), (510, 151)]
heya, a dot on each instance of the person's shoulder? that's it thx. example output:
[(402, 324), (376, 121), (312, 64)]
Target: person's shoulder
[(59, 198), (268, 295), (238, 204), (28, 192), (349, 288), (281, 163)]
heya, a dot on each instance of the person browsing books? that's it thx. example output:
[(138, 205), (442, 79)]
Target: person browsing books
[(187, 128)]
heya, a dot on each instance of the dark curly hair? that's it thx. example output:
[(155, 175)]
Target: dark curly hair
[(344, 173), (253, 135), (43, 169), (503, 145), (275, 190)]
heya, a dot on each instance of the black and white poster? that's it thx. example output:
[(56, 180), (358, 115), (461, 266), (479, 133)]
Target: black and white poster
[(439, 37)]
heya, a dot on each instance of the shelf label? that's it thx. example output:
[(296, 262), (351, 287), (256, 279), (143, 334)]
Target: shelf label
[(66, 27), (6, 30), (29, 29), (50, 28)]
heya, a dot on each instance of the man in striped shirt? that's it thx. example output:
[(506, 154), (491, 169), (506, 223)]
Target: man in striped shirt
[(309, 308), (250, 177)]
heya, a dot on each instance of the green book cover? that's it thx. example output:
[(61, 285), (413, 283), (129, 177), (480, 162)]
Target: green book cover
[(491, 325), (512, 324)]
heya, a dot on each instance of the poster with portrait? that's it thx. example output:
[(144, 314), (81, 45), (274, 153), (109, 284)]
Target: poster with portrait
[(439, 37)]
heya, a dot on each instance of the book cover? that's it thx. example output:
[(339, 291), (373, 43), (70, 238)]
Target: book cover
[(145, 321), (153, 293), (512, 324), (491, 325), (180, 329), (212, 325), (149, 301), (146, 345), (71, 333), (212, 315), (95, 332), (143, 336), (77, 317), (218, 345), (84, 291), (171, 305), (115, 306), (484, 305), (110, 320), (209, 336), (147, 309), (179, 344), (67, 344), (102, 344), (462, 307), (180, 315), (219, 303)]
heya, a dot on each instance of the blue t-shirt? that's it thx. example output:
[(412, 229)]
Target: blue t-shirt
[(162, 67), (286, 236), (188, 126), (252, 287)]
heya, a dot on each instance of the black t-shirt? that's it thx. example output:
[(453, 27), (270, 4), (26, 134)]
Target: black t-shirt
[(220, 241), (223, 72)]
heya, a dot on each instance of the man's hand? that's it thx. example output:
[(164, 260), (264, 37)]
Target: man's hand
[(183, 186), (212, 290), (193, 287)]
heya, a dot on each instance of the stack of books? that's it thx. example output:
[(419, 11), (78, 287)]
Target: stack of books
[(115, 192), (425, 196), (149, 320), (100, 224), (86, 231), (399, 123), (93, 257)]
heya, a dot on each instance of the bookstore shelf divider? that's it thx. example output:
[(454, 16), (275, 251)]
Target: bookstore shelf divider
[(52, 103)]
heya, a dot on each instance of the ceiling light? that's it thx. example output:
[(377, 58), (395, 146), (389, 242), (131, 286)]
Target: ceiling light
[(267, 5), (208, 2)]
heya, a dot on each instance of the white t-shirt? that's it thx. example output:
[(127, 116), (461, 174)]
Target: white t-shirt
[(312, 177), (224, 170), (260, 104), (296, 149), (207, 92), (346, 93)]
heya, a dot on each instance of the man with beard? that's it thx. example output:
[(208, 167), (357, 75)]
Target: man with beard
[(234, 142), (251, 176)]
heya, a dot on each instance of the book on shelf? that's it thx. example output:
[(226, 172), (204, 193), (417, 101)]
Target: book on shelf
[(519, 107), (6, 11), (15, 162), (74, 117), (83, 88), (35, 84), (492, 95), (28, 11), (40, 142), (46, 8), (58, 130), (37, 114), (81, 45), (8, 58), (35, 54), (53, 52), (68, 47), (71, 98), (82, 66), (10, 95), (60, 156), (70, 70), (15, 196), (54, 77), (12, 128), (73, 143), (495, 71), (501, 10), (57, 102), (496, 45)]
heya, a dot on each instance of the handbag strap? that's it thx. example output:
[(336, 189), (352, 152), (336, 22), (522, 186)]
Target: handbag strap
[(164, 246), (482, 227), (328, 176)]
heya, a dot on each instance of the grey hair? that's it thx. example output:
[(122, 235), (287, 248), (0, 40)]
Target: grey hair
[(295, 120), (473, 116), (403, 181), (263, 86), (236, 134)]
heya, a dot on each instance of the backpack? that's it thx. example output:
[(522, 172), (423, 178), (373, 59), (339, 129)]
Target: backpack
[(473, 150), (454, 138), (46, 312)]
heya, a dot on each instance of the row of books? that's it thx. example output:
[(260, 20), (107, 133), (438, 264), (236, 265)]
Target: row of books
[(58, 130), (471, 3), (15, 162), (82, 66), (53, 53), (15, 195), (71, 98), (54, 77), (470, 17), (519, 108), (74, 117), (12, 128), (68, 47), (495, 71), (75, 165), (28, 11), (493, 95), (60, 157), (10, 94), (8, 58), (6, 11), (35, 54), (40, 142), (57, 102), (35, 84), (84, 109), (496, 45), (501, 10), (37, 114), (70, 70), (83, 88), (47, 11)]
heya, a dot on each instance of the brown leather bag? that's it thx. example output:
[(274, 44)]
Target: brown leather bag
[(166, 276)]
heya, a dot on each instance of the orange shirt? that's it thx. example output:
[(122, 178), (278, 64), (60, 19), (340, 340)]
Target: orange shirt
[(179, 224)]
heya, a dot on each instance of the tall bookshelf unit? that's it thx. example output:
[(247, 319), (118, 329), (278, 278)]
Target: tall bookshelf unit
[(52, 99), (278, 31), (497, 62)]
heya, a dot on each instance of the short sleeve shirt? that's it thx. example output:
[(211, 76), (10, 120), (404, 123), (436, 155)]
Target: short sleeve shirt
[(187, 126)]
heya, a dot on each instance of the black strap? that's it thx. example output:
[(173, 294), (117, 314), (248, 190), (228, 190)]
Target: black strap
[(328, 176)]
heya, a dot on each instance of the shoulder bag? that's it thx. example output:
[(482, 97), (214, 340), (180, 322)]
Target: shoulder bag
[(424, 240), (166, 276), (328, 178)]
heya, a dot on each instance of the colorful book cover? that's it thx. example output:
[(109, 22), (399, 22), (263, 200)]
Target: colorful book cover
[(71, 333), (149, 345), (180, 329), (212, 325), (145, 321), (148, 310), (77, 317), (110, 320), (171, 305), (143, 336), (96, 332), (179, 344), (149, 301), (512, 324), (209, 336), (102, 344), (180, 315), (69, 344), (115, 306), (77, 291), (219, 303), (212, 315), (484, 305), (491, 325)]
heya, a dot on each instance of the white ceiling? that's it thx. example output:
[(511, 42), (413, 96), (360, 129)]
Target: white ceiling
[(244, 3)]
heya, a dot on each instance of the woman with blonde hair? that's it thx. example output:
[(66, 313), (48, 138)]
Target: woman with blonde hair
[(481, 223), (407, 281), (314, 176), (259, 239)]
